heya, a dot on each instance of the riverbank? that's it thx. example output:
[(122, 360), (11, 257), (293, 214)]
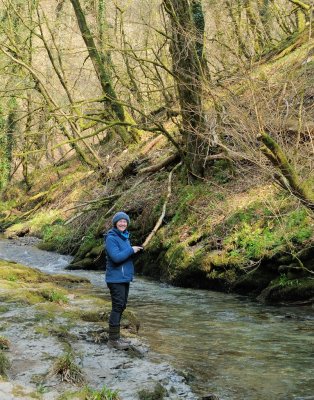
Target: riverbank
[(253, 239), (54, 329)]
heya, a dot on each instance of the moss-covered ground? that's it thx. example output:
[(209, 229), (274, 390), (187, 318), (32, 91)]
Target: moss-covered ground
[(51, 306)]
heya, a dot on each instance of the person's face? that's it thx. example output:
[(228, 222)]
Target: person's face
[(122, 225)]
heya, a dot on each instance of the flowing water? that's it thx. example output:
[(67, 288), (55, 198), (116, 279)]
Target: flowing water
[(225, 344)]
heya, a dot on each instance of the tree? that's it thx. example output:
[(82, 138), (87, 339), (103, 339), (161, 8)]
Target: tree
[(188, 63), (101, 65)]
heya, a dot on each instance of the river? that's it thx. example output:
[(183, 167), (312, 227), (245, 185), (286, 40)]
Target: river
[(226, 344)]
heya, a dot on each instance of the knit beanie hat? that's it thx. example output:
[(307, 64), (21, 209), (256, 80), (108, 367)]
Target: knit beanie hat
[(120, 215)]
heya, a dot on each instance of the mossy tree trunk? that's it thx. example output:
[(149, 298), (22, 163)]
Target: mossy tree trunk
[(102, 68), (235, 16), (287, 176), (302, 13), (189, 68), (3, 155), (7, 128)]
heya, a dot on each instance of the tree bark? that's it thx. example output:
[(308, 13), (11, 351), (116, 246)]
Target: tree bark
[(7, 127), (102, 72), (187, 28)]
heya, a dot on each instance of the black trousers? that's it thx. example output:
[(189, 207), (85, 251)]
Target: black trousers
[(119, 293)]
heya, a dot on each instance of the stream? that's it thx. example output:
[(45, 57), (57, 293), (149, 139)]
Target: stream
[(224, 344)]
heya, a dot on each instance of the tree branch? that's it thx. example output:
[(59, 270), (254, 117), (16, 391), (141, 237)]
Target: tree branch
[(159, 222)]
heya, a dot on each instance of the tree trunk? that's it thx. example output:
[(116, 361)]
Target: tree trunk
[(103, 73), (7, 127), (187, 28), (24, 157)]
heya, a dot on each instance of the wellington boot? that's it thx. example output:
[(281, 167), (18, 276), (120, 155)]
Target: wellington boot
[(114, 332), (114, 339), (118, 344)]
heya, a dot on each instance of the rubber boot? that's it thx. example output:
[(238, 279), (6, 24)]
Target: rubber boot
[(114, 339)]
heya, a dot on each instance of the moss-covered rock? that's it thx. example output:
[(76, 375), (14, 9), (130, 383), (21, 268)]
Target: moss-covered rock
[(299, 291), (254, 281), (90, 255)]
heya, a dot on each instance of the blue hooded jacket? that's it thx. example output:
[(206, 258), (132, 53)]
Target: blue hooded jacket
[(119, 251)]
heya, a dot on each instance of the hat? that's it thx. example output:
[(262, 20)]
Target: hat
[(120, 215)]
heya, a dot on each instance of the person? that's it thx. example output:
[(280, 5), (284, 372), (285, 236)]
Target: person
[(119, 273)]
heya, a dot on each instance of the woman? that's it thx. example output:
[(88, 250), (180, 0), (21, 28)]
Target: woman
[(119, 273)]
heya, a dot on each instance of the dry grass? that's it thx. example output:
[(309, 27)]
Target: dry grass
[(68, 370)]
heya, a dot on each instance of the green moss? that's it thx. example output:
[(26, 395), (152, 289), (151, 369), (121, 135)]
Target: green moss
[(42, 330), (223, 259), (94, 316), (102, 394), (299, 226), (256, 238), (188, 196), (62, 332), (14, 272), (246, 215), (4, 308), (283, 289), (88, 393), (158, 393), (55, 296), (58, 237), (177, 256), (221, 171), (4, 364), (6, 205), (18, 391), (35, 225), (89, 243)]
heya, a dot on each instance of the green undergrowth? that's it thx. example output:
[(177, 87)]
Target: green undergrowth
[(4, 364), (260, 232), (213, 237), (88, 393), (43, 211)]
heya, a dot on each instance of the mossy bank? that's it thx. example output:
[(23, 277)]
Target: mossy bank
[(252, 239)]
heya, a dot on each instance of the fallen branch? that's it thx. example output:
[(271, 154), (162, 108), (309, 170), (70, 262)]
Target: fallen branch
[(94, 205), (159, 222), (97, 202), (151, 144), (162, 164), (286, 176)]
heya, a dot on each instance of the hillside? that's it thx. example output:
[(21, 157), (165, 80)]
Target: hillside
[(238, 218)]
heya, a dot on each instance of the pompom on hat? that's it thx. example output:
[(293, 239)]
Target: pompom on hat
[(120, 215)]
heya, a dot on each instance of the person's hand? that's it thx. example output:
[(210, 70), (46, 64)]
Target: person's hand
[(136, 249)]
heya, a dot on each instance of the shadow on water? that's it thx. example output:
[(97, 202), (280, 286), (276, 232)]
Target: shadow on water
[(225, 344)]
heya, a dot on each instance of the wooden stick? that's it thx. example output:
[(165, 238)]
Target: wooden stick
[(159, 222)]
